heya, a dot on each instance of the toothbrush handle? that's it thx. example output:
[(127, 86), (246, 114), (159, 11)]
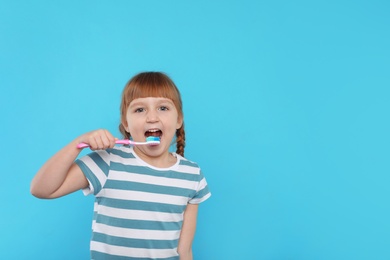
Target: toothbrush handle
[(84, 145), (123, 141)]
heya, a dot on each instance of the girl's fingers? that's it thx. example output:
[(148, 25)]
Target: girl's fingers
[(100, 140), (107, 140)]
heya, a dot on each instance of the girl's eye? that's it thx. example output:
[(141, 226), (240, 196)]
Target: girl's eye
[(139, 110), (164, 108)]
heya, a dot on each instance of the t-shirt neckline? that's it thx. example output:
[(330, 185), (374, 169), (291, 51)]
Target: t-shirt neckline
[(143, 163)]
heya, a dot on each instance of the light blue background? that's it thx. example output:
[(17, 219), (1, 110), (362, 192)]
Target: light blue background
[(286, 106)]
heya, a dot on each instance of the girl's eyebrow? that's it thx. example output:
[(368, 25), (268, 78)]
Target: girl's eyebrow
[(136, 103), (165, 102), (144, 103)]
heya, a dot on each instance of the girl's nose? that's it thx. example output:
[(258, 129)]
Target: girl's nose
[(151, 116)]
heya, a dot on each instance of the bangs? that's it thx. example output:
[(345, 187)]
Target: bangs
[(153, 89), (151, 84)]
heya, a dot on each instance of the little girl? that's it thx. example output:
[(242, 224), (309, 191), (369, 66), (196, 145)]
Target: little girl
[(146, 198)]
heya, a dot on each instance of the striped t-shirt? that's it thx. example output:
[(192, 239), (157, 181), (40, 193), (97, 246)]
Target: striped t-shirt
[(138, 209)]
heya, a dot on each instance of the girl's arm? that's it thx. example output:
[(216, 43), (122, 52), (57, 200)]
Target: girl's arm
[(60, 175), (188, 232)]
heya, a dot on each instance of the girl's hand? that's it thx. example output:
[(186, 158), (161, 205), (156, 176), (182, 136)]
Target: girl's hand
[(98, 140)]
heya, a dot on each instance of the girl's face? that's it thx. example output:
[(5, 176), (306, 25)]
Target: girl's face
[(152, 116)]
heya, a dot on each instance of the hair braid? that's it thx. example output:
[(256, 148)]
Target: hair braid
[(180, 140)]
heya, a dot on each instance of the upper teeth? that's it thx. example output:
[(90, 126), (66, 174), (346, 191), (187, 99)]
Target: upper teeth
[(153, 130)]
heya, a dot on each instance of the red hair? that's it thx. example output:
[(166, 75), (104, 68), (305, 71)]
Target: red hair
[(153, 84)]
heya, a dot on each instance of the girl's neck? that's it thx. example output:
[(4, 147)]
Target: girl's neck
[(164, 160)]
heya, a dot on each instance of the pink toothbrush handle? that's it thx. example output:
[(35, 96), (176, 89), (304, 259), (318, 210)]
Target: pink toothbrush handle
[(122, 141), (84, 145)]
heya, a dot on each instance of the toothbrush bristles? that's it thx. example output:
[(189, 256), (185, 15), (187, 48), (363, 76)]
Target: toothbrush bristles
[(153, 140)]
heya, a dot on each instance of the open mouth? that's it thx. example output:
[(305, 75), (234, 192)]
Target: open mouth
[(153, 132)]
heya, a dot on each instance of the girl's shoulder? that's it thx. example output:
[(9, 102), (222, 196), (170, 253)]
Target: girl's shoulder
[(184, 161)]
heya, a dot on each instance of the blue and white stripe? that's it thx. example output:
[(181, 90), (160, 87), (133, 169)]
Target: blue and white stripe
[(139, 208)]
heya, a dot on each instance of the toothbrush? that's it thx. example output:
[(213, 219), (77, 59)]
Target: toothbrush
[(150, 140)]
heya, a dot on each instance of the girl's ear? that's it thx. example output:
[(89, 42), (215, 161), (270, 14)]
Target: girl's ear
[(179, 122), (125, 125)]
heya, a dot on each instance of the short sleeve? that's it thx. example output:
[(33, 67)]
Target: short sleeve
[(95, 166), (202, 192)]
